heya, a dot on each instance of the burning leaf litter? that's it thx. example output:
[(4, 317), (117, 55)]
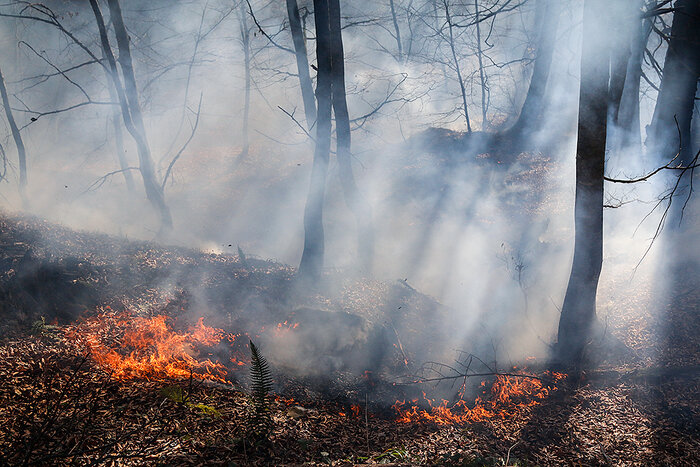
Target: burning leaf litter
[(134, 347), (508, 395)]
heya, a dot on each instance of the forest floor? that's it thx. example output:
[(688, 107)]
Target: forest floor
[(61, 405)]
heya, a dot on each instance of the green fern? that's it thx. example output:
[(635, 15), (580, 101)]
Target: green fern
[(261, 385)]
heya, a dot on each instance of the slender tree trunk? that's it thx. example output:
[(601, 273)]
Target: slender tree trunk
[(355, 201), (312, 257), (628, 119), (621, 54), (678, 86), (457, 67), (119, 136), (482, 74), (153, 190), (245, 42), (397, 31), (579, 309), (307, 88), (530, 118), (21, 152)]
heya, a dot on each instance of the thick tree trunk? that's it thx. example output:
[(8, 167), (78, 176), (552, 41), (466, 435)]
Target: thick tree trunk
[(146, 167), (355, 201), (21, 152), (678, 86), (530, 118), (579, 309), (312, 256), (307, 88)]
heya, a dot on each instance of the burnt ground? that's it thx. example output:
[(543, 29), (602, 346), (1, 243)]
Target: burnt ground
[(58, 407)]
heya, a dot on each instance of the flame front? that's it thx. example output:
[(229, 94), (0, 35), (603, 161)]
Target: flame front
[(133, 347), (508, 395)]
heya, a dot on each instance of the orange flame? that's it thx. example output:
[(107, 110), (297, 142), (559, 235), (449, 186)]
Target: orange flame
[(132, 347), (509, 395)]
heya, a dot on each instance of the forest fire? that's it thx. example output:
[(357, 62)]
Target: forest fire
[(133, 347), (508, 395)]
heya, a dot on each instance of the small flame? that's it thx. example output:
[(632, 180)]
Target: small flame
[(133, 347), (509, 394)]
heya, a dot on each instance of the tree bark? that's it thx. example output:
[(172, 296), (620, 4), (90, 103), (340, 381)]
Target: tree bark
[(355, 201), (21, 151), (530, 118), (579, 309), (307, 88), (312, 257), (678, 86), (146, 167)]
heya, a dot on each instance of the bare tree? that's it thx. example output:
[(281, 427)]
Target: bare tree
[(314, 243), (21, 152), (671, 123), (579, 310), (129, 103), (355, 201), (307, 90), (530, 118), (245, 44)]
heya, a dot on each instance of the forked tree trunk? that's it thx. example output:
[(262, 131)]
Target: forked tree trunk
[(307, 88), (579, 310), (674, 106), (312, 257), (354, 199), (21, 152), (154, 193)]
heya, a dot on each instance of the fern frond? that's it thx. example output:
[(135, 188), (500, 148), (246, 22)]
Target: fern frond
[(261, 385)]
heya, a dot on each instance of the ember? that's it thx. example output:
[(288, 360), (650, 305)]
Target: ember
[(508, 395), (134, 347)]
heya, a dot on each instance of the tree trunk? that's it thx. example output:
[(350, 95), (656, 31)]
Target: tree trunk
[(146, 167), (355, 201), (579, 309), (397, 31), (307, 88), (457, 67), (678, 86), (21, 152), (312, 256), (245, 42), (530, 118), (628, 119), (482, 74)]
